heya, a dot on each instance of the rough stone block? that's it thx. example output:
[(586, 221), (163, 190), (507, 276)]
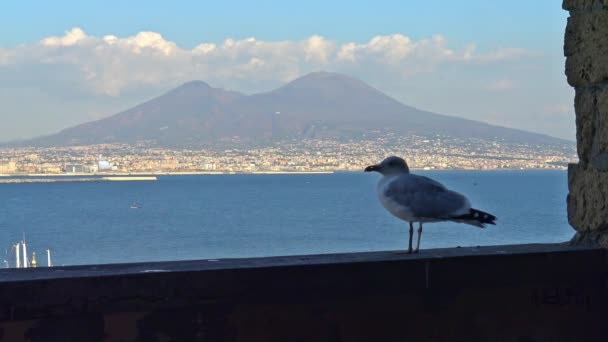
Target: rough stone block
[(584, 106), (574, 5), (586, 48), (590, 238), (587, 199), (591, 106), (601, 102)]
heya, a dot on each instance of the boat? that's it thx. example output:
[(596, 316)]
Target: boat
[(21, 259)]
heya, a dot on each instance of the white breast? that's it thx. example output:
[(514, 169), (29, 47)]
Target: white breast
[(393, 207)]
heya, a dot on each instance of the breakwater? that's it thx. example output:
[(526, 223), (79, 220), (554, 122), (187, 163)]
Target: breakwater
[(80, 179)]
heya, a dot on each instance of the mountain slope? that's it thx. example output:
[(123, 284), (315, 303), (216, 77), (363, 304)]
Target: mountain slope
[(316, 105), (176, 117)]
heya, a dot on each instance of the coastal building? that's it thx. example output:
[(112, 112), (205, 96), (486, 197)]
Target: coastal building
[(9, 167), (77, 168), (103, 165)]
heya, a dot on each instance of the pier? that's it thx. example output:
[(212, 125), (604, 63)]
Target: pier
[(80, 179)]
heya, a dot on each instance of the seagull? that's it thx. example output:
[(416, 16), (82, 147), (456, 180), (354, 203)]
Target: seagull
[(415, 198)]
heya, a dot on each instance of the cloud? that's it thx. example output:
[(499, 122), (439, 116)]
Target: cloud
[(500, 55), (111, 65), (318, 49), (396, 49), (71, 37)]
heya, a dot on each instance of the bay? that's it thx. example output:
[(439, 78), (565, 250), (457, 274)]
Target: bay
[(244, 215)]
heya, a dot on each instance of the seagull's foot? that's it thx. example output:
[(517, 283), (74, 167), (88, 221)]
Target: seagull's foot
[(416, 251), (405, 251)]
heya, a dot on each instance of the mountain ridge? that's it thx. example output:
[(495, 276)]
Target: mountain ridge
[(316, 105)]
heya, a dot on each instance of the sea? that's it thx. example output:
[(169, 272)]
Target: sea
[(254, 215)]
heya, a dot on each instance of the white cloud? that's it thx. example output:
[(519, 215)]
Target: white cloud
[(204, 49), (146, 40), (71, 37), (398, 52), (110, 65), (318, 49)]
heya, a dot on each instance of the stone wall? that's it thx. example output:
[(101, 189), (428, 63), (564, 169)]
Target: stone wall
[(586, 51), (498, 293)]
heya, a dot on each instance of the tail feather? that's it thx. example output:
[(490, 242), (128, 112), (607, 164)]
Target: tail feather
[(476, 218)]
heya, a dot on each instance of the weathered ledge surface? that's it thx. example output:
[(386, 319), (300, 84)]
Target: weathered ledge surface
[(521, 292)]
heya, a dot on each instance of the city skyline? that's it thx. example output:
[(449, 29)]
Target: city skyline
[(428, 153), (90, 62)]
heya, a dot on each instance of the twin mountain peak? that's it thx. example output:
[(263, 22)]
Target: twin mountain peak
[(319, 105)]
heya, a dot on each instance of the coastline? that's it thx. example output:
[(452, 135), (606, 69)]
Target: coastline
[(76, 180), (143, 174), (194, 173)]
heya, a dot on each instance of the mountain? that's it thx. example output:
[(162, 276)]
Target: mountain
[(317, 105), (176, 117)]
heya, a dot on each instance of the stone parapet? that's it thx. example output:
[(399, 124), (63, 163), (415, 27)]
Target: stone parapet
[(586, 47), (581, 5), (591, 106), (586, 51), (548, 292), (587, 200)]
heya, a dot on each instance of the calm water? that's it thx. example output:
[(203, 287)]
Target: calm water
[(220, 216)]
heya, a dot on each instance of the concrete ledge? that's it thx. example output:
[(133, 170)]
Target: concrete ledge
[(540, 292)]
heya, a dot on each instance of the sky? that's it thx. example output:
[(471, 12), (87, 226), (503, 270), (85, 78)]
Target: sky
[(66, 62)]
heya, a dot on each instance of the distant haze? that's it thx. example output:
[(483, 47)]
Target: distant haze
[(317, 105)]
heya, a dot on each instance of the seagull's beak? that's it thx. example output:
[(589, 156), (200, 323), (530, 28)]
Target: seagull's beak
[(372, 168)]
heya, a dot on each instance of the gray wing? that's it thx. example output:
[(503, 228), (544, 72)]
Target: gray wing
[(426, 198)]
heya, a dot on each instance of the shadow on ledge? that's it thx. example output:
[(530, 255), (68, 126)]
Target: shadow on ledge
[(547, 292)]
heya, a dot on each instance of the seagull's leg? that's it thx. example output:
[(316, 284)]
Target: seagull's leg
[(409, 250), (419, 236)]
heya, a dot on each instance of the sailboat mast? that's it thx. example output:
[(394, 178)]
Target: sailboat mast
[(17, 256), (48, 258), (25, 263)]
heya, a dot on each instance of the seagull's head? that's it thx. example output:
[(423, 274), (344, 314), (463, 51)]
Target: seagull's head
[(390, 166)]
